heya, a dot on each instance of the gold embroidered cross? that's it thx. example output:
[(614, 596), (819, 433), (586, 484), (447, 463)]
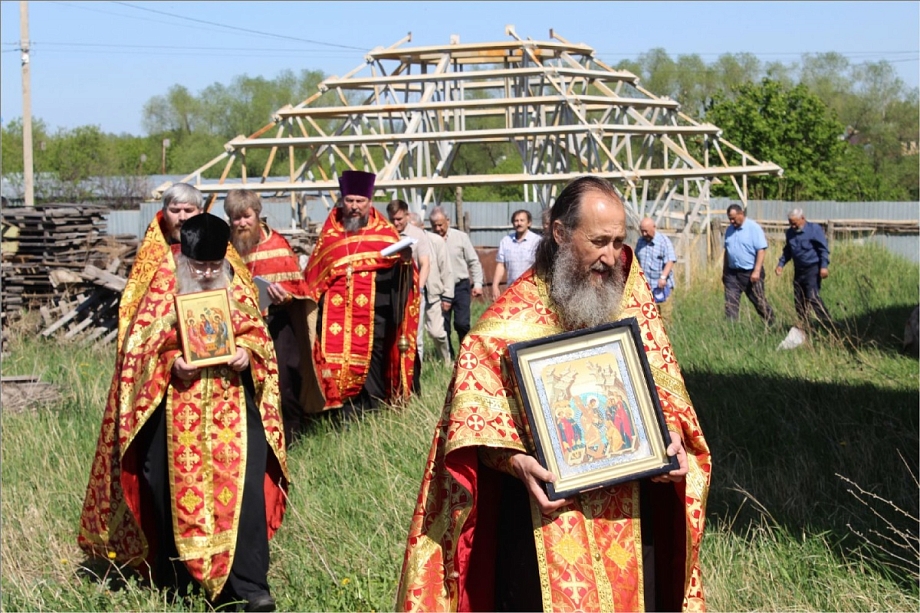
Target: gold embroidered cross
[(188, 458), (186, 416)]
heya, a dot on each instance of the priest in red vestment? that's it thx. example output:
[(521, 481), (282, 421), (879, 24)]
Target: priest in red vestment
[(484, 536), (180, 202), (269, 257), (367, 320), (189, 476)]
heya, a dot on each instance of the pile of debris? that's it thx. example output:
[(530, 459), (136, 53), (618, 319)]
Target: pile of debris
[(58, 259), (27, 392)]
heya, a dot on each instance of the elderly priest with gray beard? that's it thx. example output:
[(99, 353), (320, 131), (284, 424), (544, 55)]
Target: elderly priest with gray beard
[(484, 535), (189, 478)]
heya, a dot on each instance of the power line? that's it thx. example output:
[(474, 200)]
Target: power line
[(172, 53), (238, 29), (347, 51), (184, 47), (755, 53), (269, 52), (122, 15)]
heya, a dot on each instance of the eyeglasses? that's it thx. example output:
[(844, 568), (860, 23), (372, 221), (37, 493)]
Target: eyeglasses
[(205, 269)]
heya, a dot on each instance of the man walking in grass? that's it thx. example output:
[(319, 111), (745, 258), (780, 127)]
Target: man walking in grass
[(438, 293), (367, 318), (807, 248), (269, 256), (468, 276), (742, 265), (189, 478), (656, 258), (398, 214), (484, 536)]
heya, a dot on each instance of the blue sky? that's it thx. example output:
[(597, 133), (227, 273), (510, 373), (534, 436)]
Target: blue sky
[(99, 62)]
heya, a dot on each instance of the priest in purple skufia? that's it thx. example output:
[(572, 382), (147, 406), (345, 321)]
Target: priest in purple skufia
[(368, 305)]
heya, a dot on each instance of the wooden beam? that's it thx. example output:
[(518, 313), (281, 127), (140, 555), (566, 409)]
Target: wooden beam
[(504, 179), (471, 49), (473, 135), (594, 102), (478, 75)]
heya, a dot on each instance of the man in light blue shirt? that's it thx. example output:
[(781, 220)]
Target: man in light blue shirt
[(656, 256), (515, 251), (742, 266)]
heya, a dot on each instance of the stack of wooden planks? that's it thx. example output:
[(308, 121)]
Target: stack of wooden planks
[(63, 264), (52, 236)]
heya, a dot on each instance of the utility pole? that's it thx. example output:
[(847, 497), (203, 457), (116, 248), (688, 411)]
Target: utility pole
[(163, 164), (27, 176)]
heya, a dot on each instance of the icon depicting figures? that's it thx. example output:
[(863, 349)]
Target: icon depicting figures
[(209, 337), (593, 425)]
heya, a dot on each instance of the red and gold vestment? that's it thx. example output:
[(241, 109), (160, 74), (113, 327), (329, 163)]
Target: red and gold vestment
[(274, 260), (341, 269), (589, 552), (205, 433), (152, 249)]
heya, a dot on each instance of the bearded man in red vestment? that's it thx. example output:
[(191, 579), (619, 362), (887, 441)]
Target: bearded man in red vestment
[(484, 536), (268, 255), (367, 320), (189, 477), (180, 203)]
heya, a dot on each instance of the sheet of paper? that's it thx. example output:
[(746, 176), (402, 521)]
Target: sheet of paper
[(264, 299), (396, 247)]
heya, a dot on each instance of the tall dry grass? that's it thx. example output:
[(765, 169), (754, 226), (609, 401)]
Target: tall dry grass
[(783, 528)]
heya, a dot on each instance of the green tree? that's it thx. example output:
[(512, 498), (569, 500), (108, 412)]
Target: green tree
[(731, 70), (880, 115), (176, 112), (11, 139), (199, 125), (790, 127)]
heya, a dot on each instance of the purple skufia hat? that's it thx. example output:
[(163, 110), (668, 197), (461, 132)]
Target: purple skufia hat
[(357, 183), (204, 237)]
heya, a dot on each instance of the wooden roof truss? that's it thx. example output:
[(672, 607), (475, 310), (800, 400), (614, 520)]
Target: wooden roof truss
[(405, 112)]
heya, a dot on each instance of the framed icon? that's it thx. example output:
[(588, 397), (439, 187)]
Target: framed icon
[(594, 412), (205, 327)]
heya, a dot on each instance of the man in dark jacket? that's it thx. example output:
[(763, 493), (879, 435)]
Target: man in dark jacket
[(806, 246)]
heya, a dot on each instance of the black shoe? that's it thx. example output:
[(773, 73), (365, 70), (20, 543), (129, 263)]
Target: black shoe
[(260, 602)]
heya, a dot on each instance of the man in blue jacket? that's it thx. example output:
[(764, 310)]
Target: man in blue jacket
[(806, 246)]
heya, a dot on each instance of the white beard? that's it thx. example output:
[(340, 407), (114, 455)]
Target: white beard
[(187, 283), (579, 303)]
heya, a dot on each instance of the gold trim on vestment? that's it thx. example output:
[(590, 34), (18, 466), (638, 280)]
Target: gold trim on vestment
[(595, 555), (268, 254), (278, 277), (672, 384)]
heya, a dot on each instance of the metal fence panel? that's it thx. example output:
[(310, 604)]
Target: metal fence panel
[(821, 210), (490, 221), (123, 222)]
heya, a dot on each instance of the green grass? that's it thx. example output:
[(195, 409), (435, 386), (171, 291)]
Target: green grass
[(782, 531)]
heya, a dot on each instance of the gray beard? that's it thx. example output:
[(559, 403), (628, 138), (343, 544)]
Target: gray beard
[(245, 242), (353, 224), (577, 301), (187, 284)]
